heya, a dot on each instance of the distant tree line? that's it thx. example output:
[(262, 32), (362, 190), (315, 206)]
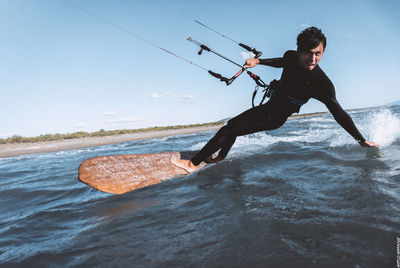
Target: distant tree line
[(100, 133)]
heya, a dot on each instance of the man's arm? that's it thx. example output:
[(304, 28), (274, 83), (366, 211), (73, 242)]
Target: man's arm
[(289, 55), (326, 94), (273, 62), (343, 119), (346, 122)]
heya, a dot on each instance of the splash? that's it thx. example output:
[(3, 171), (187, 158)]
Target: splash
[(383, 128), (247, 55)]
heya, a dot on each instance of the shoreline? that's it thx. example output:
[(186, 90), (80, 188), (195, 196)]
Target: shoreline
[(17, 149)]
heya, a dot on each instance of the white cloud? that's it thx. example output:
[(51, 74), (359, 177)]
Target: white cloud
[(163, 95), (109, 113), (190, 98), (187, 98), (155, 95)]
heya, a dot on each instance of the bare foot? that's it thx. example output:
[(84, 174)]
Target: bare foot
[(184, 164)]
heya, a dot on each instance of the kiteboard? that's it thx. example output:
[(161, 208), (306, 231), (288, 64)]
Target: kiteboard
[(119, 174)]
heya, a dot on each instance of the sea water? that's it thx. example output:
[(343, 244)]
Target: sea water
[(305, 195)]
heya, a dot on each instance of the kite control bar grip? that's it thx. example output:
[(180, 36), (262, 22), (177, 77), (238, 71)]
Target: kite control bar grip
[(235, 76), (257, 79), (256, 52), (245, 47), (203, 47), (221, 78)]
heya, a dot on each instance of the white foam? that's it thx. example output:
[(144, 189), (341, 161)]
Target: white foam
[(383, 127), (341, 138), (264, 139), (198, 146), (260, 138)]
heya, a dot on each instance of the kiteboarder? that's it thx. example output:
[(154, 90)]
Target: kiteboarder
[(301, 79)]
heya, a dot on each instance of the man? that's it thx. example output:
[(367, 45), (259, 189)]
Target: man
[(301, 80)]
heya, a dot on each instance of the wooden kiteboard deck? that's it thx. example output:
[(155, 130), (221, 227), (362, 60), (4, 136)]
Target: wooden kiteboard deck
[(119, 174)]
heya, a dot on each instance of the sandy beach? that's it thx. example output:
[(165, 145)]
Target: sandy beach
[(16, 149)]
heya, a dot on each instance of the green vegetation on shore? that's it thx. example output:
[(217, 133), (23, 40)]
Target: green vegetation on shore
[(100, 133), (103, 133)]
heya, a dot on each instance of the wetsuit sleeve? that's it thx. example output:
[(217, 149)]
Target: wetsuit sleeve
[(289, 56), (340, 115), (273, 62)]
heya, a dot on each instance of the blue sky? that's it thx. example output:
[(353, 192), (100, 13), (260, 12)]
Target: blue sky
[(64, 71)]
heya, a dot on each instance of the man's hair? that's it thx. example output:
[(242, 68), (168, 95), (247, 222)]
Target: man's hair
[(310, 38)]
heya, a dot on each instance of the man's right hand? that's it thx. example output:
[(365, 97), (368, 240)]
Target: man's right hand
[(369, 144), (250, 63)]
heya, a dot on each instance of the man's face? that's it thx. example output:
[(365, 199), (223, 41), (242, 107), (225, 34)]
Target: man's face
[(309, 59)]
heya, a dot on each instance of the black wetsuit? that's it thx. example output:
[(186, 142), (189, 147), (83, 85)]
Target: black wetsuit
[(296, 87)]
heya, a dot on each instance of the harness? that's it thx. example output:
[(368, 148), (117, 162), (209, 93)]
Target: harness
[(271, 90)]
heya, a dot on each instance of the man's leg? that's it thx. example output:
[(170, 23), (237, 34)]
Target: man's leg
[(251, 121)]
